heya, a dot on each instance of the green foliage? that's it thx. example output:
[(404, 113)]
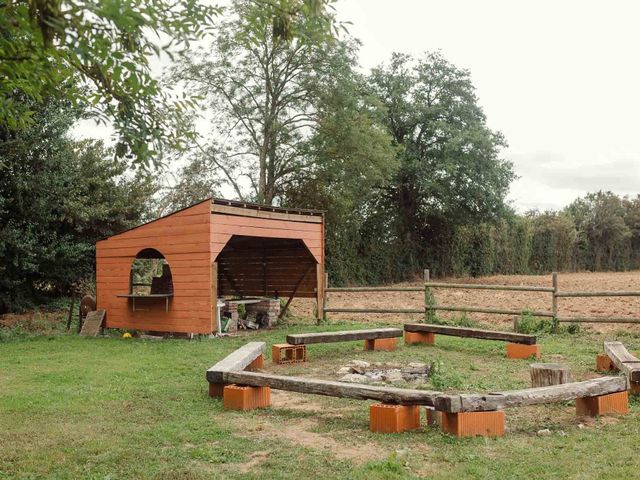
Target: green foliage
[(553, 242), (451, 173), (444, 378), (57, 197), (402, 161), (46, 45), (529, 324), (603, 237), (573, 328), (260, 92), (462, 320)]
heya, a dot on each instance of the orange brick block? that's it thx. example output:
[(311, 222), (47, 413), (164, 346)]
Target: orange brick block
[(518, 350), (470, 424), (388, 344), (384, 418), (604, 364), (286, 353), (604, 404), (256, 364), (411, 338), (216, 390), (237, 397)]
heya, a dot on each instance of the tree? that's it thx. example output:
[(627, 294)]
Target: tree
[(46, 45), (57, 197), (553, 243), (603, 236), (196, 181), (261, 91), (351, 159), (451, 172)]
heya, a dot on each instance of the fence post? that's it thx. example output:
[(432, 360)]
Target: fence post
[(428, 298), (554, 301)]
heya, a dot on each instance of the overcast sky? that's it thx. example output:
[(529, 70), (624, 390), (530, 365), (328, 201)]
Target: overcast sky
[(560, 79)]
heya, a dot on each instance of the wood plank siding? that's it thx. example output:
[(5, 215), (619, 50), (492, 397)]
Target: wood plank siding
[(257, 251), (184, 240), (260, 256)]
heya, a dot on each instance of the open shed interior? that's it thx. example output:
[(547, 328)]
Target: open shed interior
[(266, 267)]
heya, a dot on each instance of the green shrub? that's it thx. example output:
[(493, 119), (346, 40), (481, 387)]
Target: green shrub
[(529, 324), (443, 379), (573, 328), (461, 321)]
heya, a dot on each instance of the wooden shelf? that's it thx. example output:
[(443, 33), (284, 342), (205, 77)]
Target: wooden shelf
[(133, 298)]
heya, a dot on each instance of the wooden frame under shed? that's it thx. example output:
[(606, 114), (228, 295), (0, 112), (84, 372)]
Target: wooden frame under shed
[(212, 249)]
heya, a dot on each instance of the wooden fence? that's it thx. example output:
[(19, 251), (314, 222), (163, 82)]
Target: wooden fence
[(430, 306)]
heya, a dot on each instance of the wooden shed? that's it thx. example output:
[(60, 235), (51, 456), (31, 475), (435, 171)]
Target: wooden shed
[(212, 249)]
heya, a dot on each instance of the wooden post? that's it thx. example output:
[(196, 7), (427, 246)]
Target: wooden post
[(428, 298), (264, 270), (325, 297), (73, 302), (215, 321), (547, 374), (295, 290), (554, 300), (82, 319), (319, 293)]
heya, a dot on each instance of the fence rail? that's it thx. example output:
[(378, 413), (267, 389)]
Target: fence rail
[(430, 306), (598, 294), (475, 286), (374, 289), (374, 310)]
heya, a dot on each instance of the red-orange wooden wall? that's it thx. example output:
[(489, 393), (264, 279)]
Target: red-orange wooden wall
[(190, 241)]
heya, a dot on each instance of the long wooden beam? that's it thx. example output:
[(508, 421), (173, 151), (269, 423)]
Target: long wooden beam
[(621, 358), (530, 396), (612, 293), (343, 336), (329, 388), (375, 289), (497, 311), (452, 403), (374, 310), (477, 286), (599, 319), (238, 360), (471, 333)]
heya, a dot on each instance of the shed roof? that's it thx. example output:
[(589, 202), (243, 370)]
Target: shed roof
[(233, 203), (266, 208)]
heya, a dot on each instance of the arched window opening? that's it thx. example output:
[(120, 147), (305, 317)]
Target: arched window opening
[(150, 274)]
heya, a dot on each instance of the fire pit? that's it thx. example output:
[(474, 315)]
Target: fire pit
[(359, 371)]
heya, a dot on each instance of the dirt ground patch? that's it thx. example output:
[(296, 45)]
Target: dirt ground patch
[(301, 431), (35, 321), (567, 307)]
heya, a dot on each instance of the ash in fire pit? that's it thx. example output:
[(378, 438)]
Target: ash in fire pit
[(359, 371)]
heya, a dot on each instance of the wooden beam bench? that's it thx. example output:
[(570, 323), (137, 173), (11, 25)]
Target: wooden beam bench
[(295, 348), (461, 414), (519, 345), (249, 356), (617, 357)]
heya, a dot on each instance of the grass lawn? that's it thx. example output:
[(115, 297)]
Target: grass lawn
[(74, 407)]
